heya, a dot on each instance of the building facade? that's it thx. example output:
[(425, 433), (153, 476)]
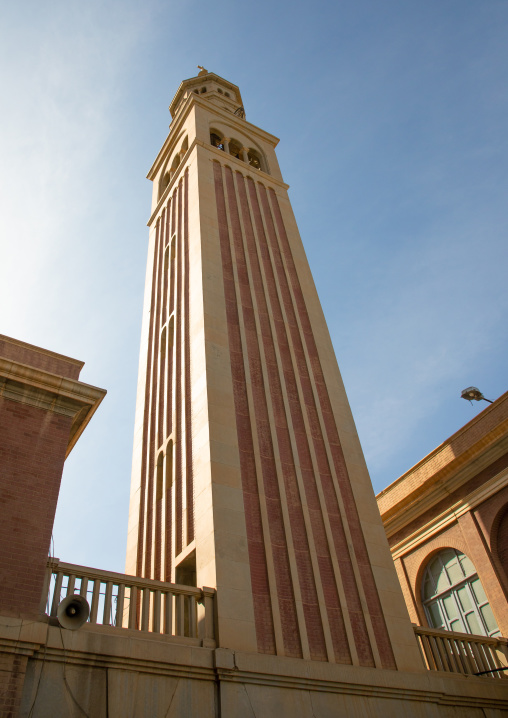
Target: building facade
[(447, 524)]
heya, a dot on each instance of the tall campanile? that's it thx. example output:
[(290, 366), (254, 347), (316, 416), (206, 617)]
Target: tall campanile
[(248, 475)]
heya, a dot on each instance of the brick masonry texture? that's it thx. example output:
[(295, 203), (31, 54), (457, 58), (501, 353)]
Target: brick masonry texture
[(369, 586), (455, 452), (25, 354), (482, 535), (263, 299), (259, 574), (32, 450), (460, 493)]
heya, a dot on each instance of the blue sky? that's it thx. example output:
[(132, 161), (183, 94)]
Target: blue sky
[(393, 122)]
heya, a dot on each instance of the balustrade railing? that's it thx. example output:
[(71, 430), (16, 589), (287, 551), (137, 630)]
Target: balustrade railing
[(123, 601), (462, 652)]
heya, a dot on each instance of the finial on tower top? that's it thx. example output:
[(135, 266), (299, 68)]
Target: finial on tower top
[(204, 71)]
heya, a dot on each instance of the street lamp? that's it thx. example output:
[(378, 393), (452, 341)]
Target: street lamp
[(472, 393)]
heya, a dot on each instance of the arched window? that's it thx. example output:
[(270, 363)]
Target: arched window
[(454, 598), (203, 89), (185, 145), (235, 149), (216, 141), (227, 94), (219, 91), (254, 159)]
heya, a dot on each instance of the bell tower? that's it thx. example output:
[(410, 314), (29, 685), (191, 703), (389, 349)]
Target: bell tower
[(248, 475)]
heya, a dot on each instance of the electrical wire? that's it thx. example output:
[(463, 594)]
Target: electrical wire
[(40, 672), (51, 556), (65, 679)]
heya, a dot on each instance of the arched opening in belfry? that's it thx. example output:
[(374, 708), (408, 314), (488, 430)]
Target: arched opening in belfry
[(235, 149), (216, 140), (254, 159)]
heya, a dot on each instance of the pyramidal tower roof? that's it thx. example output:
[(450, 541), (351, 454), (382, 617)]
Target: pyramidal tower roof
[(213, 87)]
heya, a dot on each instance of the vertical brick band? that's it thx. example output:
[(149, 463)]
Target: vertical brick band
[(306, 489), (258, 564)]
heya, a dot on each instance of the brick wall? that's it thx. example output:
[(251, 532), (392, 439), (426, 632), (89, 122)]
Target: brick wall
[(33, 442), (502, 543), (39, 358), (468, 534)]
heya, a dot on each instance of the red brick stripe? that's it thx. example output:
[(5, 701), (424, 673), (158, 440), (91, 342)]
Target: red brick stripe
[(302, 552), (257, 557), (289, 620)]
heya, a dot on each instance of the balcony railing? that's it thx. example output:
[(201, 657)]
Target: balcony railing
[(122, 601), (462, 652)]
